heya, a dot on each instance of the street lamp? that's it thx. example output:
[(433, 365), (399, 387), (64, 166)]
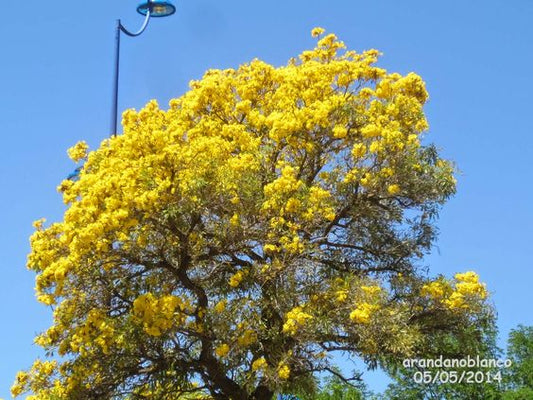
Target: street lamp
[(150, 8), (156, 8)]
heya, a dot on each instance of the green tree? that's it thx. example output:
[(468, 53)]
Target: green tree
[(506, 383), (408, 383), (519, 376), (336, 388), (230, 244)]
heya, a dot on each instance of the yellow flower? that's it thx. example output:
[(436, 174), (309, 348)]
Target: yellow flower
[(342, 295), (292, 205), (370, 131), (20, 383), (39, 223), (236, 279), (456, 301), (78, 151), (472, 288), (249, 337), (222, 350), (340, 131), (270, 248), (284, 372), (260, 363), (220, 306), (363, 313), (434, 289), (393, 189), (316, 32), (468, 285), (469, 276), (387, 172), (156, 315), (413, 140), (296, 318), (371, 290), (358, 150), (366, 180), (235, 220), (375, 146)]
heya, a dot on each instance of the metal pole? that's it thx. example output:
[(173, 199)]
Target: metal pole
[(115, 88), (120, 28)]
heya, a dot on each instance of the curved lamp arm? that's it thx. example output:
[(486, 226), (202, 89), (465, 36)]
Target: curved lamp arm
[(143, 27)]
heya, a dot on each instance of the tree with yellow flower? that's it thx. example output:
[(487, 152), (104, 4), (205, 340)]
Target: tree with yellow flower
[(229, 245)]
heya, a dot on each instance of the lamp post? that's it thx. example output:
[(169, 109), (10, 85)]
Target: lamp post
[(150, 8)]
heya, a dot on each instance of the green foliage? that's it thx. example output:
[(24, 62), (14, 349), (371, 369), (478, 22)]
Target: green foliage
[(516, 382), (335, 388), (519, 376), (518, 394)]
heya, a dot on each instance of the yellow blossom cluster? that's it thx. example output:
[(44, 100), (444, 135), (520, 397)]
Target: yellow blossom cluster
[(467, 287), (393, 189), (247, 338), (458, 294), (363, 313), (221, 306), (216, 142), (295, 320), (222, 350), (78, 152), (284, 372), (259, 364), (97, 329), (236, 279), (436, 289), (158, 315), (40, 372)]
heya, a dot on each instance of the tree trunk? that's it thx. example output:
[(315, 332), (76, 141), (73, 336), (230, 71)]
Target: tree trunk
[(261, 393)]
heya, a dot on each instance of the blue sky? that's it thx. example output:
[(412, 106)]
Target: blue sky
[(476, 58)]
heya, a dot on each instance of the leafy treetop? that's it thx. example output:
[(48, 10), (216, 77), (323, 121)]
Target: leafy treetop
[(231, 244)]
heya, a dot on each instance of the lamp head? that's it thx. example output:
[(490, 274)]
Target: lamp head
[(157, 8)]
